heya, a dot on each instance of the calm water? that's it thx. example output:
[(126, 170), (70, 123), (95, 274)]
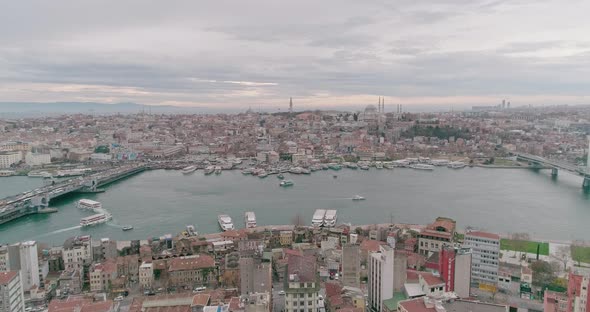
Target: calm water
[(159, 202)]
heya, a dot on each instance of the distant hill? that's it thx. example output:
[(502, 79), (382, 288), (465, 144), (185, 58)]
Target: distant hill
[(56, 108)]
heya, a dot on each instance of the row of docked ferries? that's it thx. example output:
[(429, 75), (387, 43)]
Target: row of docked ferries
[(226, 223), (324, 218)]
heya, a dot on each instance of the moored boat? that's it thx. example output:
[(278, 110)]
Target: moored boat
[(189, 169), (225, 222), (318, 218), (250, 219), (422, 167)]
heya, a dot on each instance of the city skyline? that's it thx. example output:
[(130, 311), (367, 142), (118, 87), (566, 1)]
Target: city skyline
[(438, 54)]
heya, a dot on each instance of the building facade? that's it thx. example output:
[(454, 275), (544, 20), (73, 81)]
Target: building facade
[(12, 297), (455, 270), (301, 284), (485, 251), (191, 271), (351, 265), (255, 276), (381, 275), (146, 275), (77, 251), (8, 159)]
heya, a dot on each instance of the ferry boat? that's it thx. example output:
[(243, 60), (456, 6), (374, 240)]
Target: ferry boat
[(218, 170), (330, 218), (250, 219), (209, 170), (422, 167), (353, 166), (127, 228), (364, 167), (358, 197), (189, 169), (286, 183), (88, 204), (95, 219), (7, 173), (457, 165), (225, 222), (440, 162), (318, 218)]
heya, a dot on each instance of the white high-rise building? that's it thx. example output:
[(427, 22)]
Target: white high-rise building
[(29, 264), (485, 251), (381, 283), (12, 297)]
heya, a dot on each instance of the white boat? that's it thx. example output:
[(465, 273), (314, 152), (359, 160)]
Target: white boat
[(330, 218), (95, 219), (379, 165), (422, 167), (439, 162), (209, 170), (457, 165), (127, 228), (262, 174), (358, 197), (286, 183), (250, 219), (189, 169), (318, 218), (88, 204), (218, 170), (225, 222)]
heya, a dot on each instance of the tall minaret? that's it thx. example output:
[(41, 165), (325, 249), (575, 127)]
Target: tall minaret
[(383, 105), (290, 105)]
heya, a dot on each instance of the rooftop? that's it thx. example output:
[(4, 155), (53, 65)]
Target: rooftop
[(6, 277), (191, 263), (302, 268), (483, 235)]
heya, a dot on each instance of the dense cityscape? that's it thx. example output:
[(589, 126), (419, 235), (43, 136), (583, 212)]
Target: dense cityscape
[(299, 264)]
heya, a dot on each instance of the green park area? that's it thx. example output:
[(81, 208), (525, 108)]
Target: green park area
[(524, 246), (581, 254)]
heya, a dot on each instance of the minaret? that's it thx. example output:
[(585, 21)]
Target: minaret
[(383, 106), (290, 105)]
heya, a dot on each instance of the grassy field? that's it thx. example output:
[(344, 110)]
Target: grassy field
[(581, 254), (527, 246)]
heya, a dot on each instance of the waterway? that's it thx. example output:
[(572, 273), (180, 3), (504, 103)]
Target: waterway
[(165, 201)]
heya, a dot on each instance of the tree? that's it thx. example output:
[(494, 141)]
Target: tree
[(563, 255), (543, 273)]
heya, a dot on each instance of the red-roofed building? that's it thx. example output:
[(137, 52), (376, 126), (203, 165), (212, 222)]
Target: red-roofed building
[(431, 284), (190, 271), (301, 284), (555, 302), (578, 293), (102, 274), (80, 305), (11, 292)]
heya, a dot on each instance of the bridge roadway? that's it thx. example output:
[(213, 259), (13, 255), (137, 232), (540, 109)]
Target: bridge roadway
[(557, 165), (20, 205)]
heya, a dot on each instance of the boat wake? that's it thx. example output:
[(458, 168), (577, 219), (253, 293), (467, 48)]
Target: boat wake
[(62, 230)]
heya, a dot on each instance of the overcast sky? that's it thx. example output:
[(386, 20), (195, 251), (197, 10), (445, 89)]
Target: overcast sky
[(328, 53)]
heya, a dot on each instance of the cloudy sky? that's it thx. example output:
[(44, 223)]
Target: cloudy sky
[(329, 53)]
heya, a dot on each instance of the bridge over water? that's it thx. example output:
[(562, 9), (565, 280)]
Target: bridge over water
[(37, 200), (556, 166)]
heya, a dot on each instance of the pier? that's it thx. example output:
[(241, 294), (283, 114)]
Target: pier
[(37, 200)]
